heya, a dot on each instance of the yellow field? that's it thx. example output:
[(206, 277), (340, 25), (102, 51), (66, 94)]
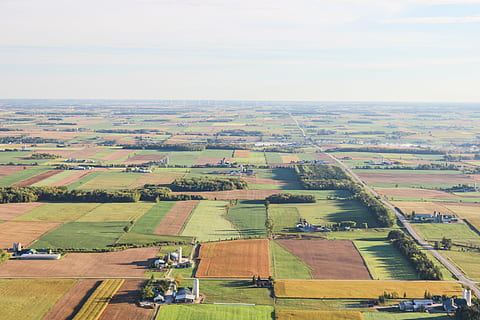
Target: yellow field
[(471, 213), (26, 299), (318, 315), (288, 159), (331, 289), (124, 211), (98, 301), (420, 207)]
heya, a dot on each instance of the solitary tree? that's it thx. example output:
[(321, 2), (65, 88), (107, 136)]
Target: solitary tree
[(446, 243)]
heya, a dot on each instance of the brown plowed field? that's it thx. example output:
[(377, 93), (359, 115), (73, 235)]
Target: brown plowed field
[(212, 160), (288, 159), (24, 232), (416, 193), (155, 178), (11, 210), (322, 156), (117, 154), (8, 170), (241, 154), (77, 175), (173, 222), (329, 259), (255, 180), (234, 259), (143, 158), (413, 178), (235, 194), (70, 304), (39, 177), (127, 263), (124, 303), (77, 154)]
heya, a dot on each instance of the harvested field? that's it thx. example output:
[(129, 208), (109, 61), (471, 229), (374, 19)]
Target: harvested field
[(124, 303), (155, 178), (173, 222), (211, 160), (414, 178), (256, 180), (334, 259), (77, 154), (23, 232), (77, 175), (127, 263), (116, 155), (288, 159), (70, 303), (241, 154), (321, 156), (416, 193), (408, 207), (8, 170), (144, 158), (468, 211), (11, 210), (318, 315), (37, 178), (361, 289), (250, 194), (234, 259)]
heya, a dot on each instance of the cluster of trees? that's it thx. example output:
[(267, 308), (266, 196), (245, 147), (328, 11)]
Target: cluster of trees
[(26, 139), (238, 132), (330, 177), (291, 198), (469, 313), (386, 150), (38, 156), (4, 256), (419, 260), (62, 194), (162, 146), (208, 184)]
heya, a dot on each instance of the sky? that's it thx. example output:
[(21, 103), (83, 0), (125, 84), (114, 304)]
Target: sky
[(314, 50)]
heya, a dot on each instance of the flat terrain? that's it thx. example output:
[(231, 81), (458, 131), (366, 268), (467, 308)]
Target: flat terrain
[(57, 212), (30, 181), (329, 259), (414, 178), (173, 222), (11, 210), (24, 232), (469, 211), (415, 193), (215, 312), (325, 289), (127, 263), (234, 259), (71, 178), (72, 301), (250, 194), (144, 158), (318, 315), (8, 170)]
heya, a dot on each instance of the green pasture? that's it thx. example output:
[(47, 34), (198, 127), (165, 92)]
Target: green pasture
[(182, 158), (403, 316), (359, 234), (83, 180), (207, 222), (284, 218), (212, 153), (286, 304), (256, 158), (15, 157), (82, 235), (215, 312), (234, 291), (286, 265), (467, 261), (58, 212), (384, 261), (248, 217), (277, 174), (148, 222), (110, 180), (22, 175), (59, 176), (110, 212), (454, 231)]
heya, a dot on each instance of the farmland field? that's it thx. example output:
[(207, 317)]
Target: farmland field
[(148, 222), (215, 312), (286, 265), (28, 173), (174, 220), (318, 315), (470, 211), (57, 212), (361, 289), (384, 261), (467, 262), (454, 231), (127, 263), (24, 232), (110, 180), (403, 316), (248, 217), (408, 207), (222, 259), (111, 212), (36, 179), (234, 291), (24, 299), (11, 210), (414, 179), (207, 222), (415, 193), (329, 259)]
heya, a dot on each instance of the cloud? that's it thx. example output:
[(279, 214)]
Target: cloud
[(434, 20)]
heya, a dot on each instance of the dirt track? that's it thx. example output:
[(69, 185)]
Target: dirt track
[(329, 259)]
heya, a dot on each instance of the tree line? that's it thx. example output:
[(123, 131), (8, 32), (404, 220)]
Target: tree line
[(291, 198), (408, 248), (386, 150), (163, 146), (208, 184)]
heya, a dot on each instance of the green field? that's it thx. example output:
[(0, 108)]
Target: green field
[(110, 180), (234, 291), (384, 261), (82, 235), (25, 299), (215, 312), (58, 212), (22, 175), (454, 231), (284, 218), (403, 316), (207, 222), (150, 220), (59, 176), (256, 158), (140, 238), (248, 218), (467, 261), (109, 212), (286, 265)]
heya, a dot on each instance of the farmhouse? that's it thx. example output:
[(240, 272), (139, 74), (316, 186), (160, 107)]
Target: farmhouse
[(415, 305), (437, 217), (184, 295), (174, 259)]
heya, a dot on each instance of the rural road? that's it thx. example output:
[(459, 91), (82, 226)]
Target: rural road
[(406, 224)]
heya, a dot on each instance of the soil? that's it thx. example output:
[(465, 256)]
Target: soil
[(39, 177), (24, 232), (173, 222), (127, 263), (211, 160), (329, 259), (8, 170), (11, 210), (77, 154), (241, 154), (422, 193), (72, 178)]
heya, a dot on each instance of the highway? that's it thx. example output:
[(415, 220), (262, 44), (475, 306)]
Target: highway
[(404, 222)]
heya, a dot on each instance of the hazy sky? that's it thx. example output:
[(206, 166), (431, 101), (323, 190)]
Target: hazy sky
[(371, 50)]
